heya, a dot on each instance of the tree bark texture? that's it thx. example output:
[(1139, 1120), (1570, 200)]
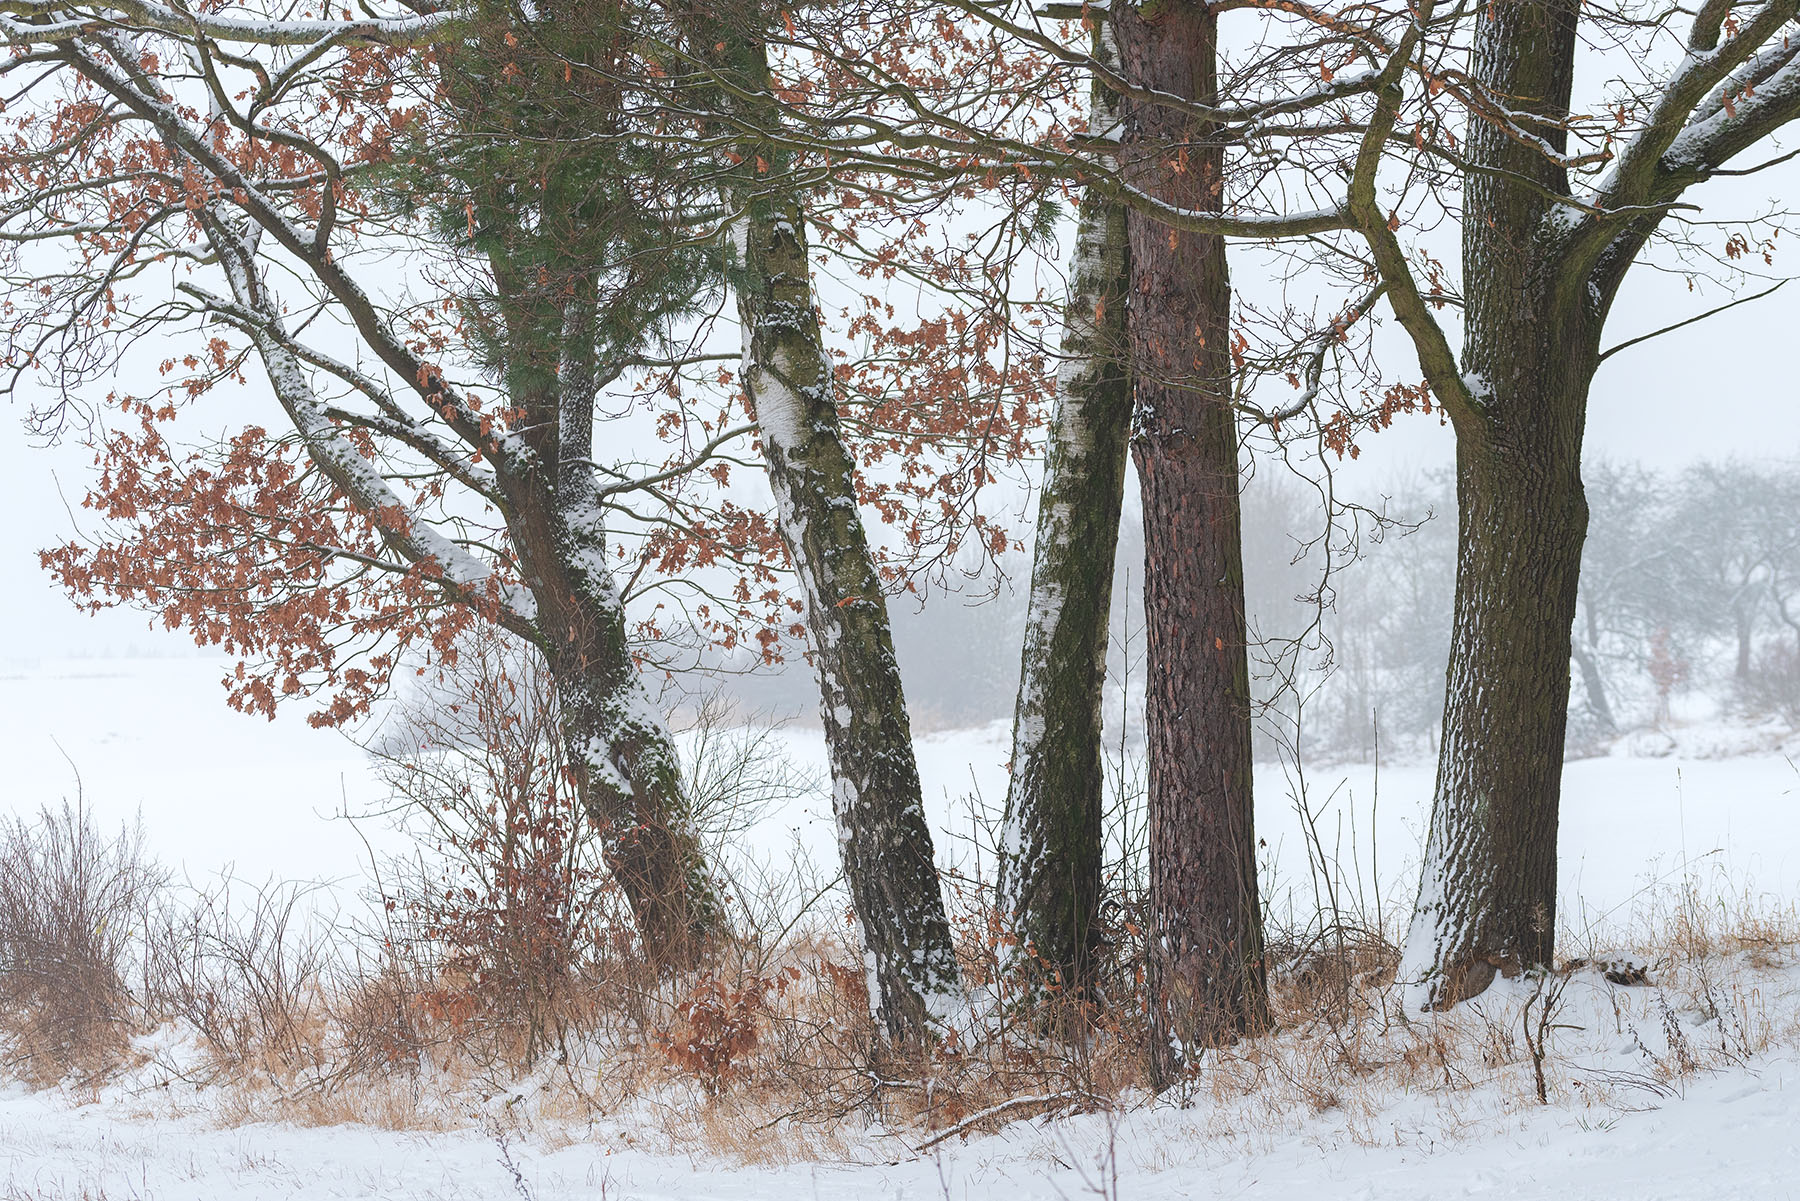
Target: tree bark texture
[(883, 836), (1206, 973), (1487, 897), (1050, 864), (621, 754)]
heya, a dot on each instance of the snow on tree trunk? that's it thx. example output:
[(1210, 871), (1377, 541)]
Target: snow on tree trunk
[(883, 836), (1487, 895), (1049, 885), (1207, 979), (621, 755)]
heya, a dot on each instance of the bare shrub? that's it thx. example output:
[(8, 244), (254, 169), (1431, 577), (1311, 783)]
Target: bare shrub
[(506, 900), (245, 967), (1538, 1020), (380, 1004), (71, 899), (735, 770)]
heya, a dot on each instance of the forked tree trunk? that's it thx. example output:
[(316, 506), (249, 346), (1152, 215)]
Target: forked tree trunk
[(1744, 623), (621, 755), (1050, 864), (1207, 978), (1487, 895), (883, 836)]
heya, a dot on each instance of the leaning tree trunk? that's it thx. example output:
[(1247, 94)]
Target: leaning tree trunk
[(883, 837), (1050, 844), (623, 764), (621, 756), (1487, 894), (882, 832), (1207, 979)]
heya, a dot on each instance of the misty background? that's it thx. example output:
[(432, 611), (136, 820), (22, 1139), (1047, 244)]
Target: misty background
[(1693, 436)]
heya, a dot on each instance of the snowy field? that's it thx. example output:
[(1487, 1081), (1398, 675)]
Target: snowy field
[(147, 735), (152, 736)]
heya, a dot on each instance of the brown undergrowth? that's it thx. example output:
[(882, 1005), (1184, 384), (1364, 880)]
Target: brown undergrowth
[(259, 1004)]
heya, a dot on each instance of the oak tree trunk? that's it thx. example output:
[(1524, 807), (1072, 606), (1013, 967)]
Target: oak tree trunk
[(1050, 864), (1207, 979), (1487, 899), (1487, 896)]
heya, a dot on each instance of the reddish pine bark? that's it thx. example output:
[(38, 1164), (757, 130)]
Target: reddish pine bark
[(1206, 974)]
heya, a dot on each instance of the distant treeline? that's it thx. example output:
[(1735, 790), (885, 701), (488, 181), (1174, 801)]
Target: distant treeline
[(1690, 582)]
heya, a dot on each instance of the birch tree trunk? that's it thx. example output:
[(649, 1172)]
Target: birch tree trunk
[(1050, 842), (883, 836), (1207, 979)]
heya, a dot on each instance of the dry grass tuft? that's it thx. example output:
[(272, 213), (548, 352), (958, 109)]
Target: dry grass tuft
[(769, 1054)]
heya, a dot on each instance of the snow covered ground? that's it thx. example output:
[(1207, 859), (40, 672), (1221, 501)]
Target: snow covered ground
[(1713, 1134), (149, 735)]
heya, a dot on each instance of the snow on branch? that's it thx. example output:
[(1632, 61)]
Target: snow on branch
[(31, 23)]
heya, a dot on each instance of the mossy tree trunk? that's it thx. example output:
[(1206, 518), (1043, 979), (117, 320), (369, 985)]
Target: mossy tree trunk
[(883, 836), (1050, 865)]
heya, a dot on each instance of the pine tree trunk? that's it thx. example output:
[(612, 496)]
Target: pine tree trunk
[(621, 757), (549, 250), (1050, 864), (625, 769), (1207, 978), (1487, 894)]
